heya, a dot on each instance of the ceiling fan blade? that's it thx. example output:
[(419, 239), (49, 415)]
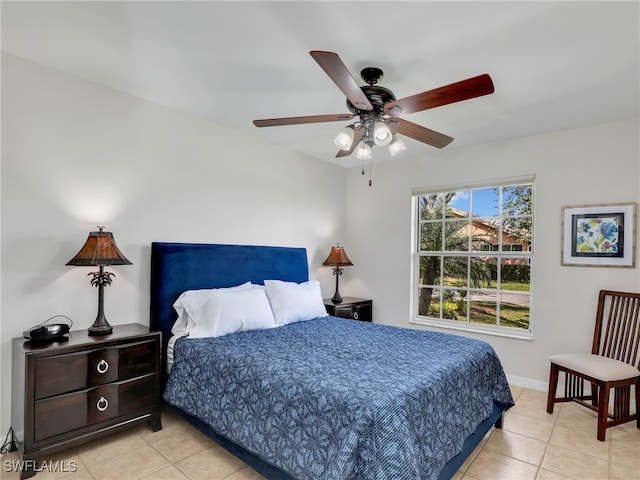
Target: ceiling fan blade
[(274, 122), (357, 136), (417, 132), (338, 72), (452, 93)]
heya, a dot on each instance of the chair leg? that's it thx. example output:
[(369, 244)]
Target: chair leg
[(637, 403), (553, 386), (622, 402), (595, 395), (603, 411)]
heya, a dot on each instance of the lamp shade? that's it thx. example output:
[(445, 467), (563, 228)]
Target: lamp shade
[(100, 249), (396, 146), (337, 257), (363, 151), (345, 138), (382, 135)]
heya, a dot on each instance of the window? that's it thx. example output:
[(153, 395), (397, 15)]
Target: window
[(472, 257)]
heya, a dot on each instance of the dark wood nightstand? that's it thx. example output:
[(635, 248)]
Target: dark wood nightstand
[(351, 307), (67, 392)]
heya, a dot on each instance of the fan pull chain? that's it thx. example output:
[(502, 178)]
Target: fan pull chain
[(370, 168)]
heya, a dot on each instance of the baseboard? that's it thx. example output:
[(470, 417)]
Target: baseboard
[(528, 383), (538, 385)]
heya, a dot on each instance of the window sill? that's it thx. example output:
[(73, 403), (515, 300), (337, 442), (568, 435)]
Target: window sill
[(465, 327)]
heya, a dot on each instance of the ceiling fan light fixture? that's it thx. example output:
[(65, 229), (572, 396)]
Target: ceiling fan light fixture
[(377, 110), (345, 138), (382, 135), (396, 146), (363, 151)]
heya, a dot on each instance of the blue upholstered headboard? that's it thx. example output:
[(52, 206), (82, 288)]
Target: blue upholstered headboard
[(176, 267)]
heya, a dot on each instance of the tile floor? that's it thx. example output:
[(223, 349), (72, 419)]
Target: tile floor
[(532, 445)]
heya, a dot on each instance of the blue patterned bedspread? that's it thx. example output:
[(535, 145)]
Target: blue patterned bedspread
[(340, 399)]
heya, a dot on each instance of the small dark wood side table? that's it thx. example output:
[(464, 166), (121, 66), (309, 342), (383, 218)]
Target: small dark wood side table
[(351, 307), (76, 389)]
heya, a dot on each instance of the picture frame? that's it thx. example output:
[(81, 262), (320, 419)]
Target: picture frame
[(599, 235)]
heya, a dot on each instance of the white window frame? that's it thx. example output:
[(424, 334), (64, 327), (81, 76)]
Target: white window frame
[(524, 334)]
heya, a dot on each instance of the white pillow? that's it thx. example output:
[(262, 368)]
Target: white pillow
[(295, 302), (189, 306), (227, 312)]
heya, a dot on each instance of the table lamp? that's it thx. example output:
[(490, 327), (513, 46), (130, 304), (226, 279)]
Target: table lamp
[(100, 250), (337, 258)]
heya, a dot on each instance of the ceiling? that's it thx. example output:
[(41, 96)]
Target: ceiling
[(555, 65)]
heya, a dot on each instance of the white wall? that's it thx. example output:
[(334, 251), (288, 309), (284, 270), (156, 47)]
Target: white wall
[(594, 165), (76, 155)]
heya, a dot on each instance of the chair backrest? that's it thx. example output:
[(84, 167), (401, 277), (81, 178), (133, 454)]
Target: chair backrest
[(617, 332)]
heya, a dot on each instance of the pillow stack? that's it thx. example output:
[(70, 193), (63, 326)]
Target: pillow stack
[(221, 311)]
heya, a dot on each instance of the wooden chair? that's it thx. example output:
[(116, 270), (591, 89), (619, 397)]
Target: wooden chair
[(612, 364)]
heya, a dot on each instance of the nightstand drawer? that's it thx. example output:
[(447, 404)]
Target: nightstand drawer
[(344, 312), (355, 312), (68, 373), (65, 413), (352, 308), (60, 414)]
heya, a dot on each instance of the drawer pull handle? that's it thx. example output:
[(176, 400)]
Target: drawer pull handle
[(355, 315), (102, 404), (102, 366)]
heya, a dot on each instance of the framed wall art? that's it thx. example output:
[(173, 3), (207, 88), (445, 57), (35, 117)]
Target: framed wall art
[(599, 235)]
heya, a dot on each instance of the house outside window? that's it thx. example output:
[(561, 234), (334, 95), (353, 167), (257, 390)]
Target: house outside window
[(472, 257)]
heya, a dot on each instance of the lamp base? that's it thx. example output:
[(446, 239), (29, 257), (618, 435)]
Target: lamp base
[(105, 329), (100, 325), (336, 296)]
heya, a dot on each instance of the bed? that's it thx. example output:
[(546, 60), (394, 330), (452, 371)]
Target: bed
[(325, 398)]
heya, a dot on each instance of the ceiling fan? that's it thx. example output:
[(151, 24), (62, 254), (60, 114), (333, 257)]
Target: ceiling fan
[(377, 109)]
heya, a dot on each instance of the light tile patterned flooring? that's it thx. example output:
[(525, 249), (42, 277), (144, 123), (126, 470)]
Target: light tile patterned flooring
[(532, 445)]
